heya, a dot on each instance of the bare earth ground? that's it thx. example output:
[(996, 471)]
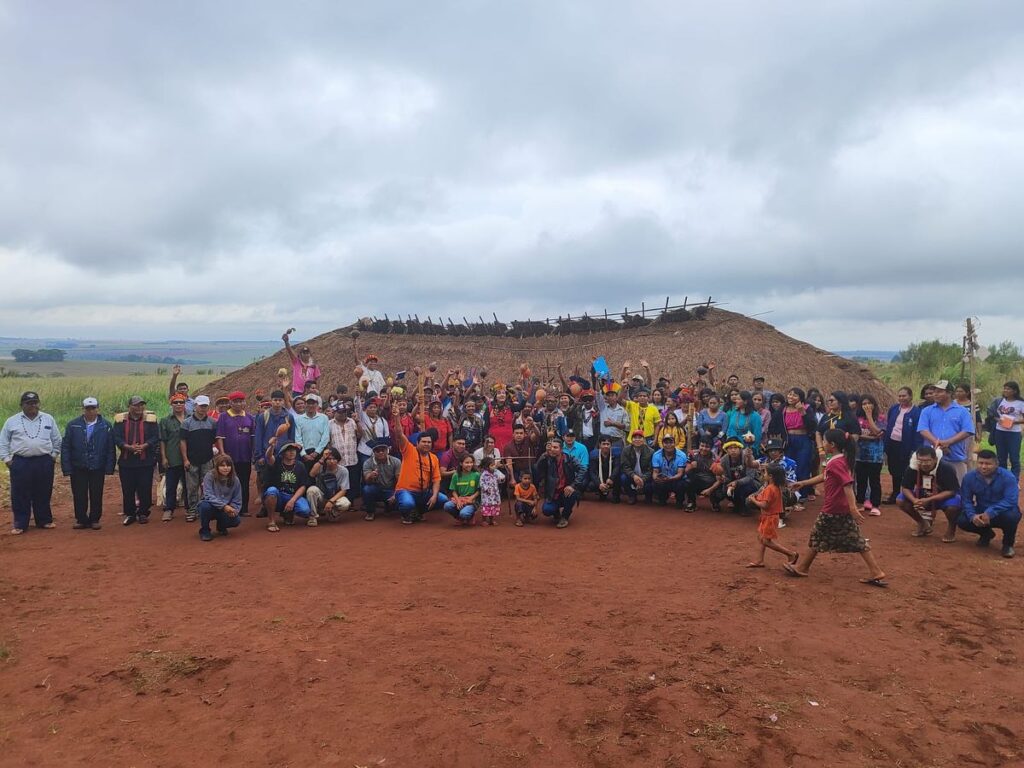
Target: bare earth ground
[(633, 638)]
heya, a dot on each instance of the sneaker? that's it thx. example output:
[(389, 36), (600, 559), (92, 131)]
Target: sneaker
[(690, 507), (190, 517), (80, 526), (782, 524), (95, 526), (167, 516), (563, 523), (128, 520), (984, 541), (222, 531), (406, 521), (1008, 552), (205, 536), (312, 523), (874, 512), (369, 516), (143, 519)]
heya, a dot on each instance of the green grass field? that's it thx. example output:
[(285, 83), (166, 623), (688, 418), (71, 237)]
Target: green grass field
[(62, 398)]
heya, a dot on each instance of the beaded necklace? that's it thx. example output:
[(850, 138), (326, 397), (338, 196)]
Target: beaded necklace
[(39, 426)]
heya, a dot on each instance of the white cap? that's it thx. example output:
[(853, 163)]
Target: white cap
[(202, 400), (90, 401)]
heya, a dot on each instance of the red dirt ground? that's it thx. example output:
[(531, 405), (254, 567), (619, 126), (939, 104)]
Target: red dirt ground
[(633, 638)]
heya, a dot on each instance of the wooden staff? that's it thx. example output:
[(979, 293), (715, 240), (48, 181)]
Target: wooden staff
[(355, 352)]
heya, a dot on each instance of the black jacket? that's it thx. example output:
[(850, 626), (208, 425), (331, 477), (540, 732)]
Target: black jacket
[(95, 453), (572, 474), (628, 461), (126, 433)]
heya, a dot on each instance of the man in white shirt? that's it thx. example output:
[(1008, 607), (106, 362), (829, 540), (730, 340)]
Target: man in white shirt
[(30, 446)]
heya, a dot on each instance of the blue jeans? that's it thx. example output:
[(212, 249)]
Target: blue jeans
[(374, 495), (460, 513), (560, 507), (1008, 448), (631, 492), (412, 504), (208, 511), (301, 508), (800, 448)]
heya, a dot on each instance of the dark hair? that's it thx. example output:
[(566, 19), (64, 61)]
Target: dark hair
[(777, 474), (747, 405), (224, 458), (777, 397), (839, 439), (1016, 390), (801, 395), (486, 462), (860, 406), (526, 473), (908, 390), (844, 402), (925, 390), (335, 452), (814, 394), (927, 450), (964, 386), (605, 440), (986, 453)]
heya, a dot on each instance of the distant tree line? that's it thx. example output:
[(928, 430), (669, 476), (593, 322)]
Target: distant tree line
[(38, 355)]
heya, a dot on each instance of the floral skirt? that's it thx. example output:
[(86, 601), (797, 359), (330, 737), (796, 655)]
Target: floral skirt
[(490, 510), (837, 533)]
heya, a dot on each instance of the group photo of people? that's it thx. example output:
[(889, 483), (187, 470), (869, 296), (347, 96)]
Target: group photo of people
[(404, 444)]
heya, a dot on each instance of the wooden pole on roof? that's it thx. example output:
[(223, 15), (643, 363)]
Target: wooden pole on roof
[(971, 346)]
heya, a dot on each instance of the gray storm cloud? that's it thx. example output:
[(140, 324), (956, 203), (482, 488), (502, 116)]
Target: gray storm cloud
[(851, 167)]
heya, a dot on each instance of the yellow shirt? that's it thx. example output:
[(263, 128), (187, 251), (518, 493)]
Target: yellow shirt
[(646, 421)]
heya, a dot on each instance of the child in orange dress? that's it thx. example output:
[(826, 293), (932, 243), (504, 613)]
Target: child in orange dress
[(526, 499), (769, 501)]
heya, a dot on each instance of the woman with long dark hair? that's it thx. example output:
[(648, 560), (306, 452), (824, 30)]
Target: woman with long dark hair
[(1006, 436), (744, 423), (222, 498), (901, 437), (799, 423), (870, 454), (840, 417)]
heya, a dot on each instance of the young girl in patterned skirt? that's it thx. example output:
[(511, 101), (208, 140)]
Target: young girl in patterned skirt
[(837, 529), (490, 490)]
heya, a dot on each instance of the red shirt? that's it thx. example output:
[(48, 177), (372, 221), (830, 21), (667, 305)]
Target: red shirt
[(501, 422), (444, 431), (837, 477)]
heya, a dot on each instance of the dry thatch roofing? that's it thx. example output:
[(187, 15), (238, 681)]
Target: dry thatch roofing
[(737, 343)]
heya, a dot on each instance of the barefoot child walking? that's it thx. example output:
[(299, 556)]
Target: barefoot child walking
[(837, 529), (769, 501), (526, 499)]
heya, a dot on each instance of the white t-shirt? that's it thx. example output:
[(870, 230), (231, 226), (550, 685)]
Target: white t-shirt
[(478, 454), (1009, 412)]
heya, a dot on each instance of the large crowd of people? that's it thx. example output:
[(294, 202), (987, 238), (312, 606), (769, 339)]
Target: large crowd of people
[(480, 450)]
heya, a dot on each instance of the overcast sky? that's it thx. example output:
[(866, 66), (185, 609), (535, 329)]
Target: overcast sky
[(226, 170)]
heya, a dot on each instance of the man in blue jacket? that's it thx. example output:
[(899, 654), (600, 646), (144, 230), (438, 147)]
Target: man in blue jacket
[(87, 457), (989, 494)]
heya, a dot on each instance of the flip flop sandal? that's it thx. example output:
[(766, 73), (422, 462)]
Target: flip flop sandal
[(273, 528), (754, 565), (17, 531), (790, 569), (795, 558), (49, 526), (879, 582)]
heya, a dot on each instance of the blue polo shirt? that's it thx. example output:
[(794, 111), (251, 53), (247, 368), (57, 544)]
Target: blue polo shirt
[(944, 423), (668, 466)]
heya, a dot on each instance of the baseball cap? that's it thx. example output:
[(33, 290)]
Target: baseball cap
[(774, 445), (90, 402), (313, 399), (202, 400), (942, 384), (138, 400), (30, 397), (570, 432), (637, 433)]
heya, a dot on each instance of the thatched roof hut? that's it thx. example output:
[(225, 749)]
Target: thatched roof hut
[(673, 347)]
